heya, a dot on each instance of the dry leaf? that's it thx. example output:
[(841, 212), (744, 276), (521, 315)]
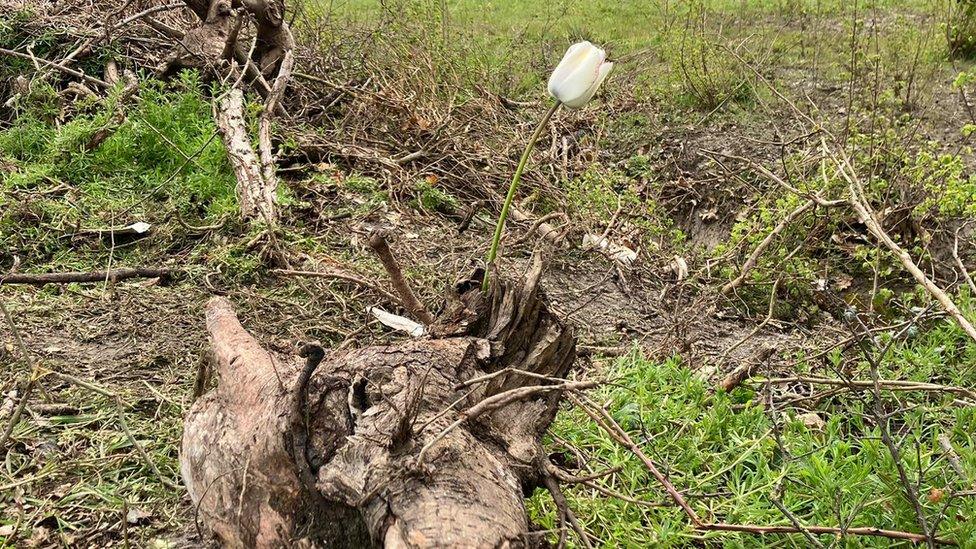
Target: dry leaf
[(621, 254), (137, 516), (812, 421), (843, 282)]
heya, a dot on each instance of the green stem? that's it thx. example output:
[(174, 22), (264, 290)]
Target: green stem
[(500, 226)]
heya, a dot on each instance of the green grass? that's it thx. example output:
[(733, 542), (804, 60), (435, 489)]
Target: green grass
[(720, 451), (164, 161), (674, 67)]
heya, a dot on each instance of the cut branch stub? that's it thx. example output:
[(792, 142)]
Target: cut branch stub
[(356, 423)]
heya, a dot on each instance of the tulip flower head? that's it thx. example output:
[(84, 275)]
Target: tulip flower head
[(579, 74), (573, 83)]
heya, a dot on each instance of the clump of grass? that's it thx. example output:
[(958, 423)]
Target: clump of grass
[(596, 194), (431, 198)]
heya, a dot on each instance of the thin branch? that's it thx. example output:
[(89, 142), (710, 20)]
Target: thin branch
[(344, 277), (761, 247), (560, 500), (612, 428), (867, 217), (497, 401), (93, 276), (60, 67)]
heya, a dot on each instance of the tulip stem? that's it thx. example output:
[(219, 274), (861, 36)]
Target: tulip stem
[(500, 226)]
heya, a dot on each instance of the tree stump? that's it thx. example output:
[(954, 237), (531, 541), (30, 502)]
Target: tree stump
[(426, 443)]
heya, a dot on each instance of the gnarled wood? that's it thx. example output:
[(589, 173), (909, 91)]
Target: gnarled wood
[(363, 417)]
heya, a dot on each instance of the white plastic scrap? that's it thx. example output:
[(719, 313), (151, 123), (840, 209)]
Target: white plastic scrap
[(397, 322), (621, 254), (139, 227)]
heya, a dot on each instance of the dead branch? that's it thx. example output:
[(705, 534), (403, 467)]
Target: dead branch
[(67, 70), (382, 248), (28, 388), (565, 510), (745, 370), (255, 194), (264, 123), (960, 264), (893, 385), (761, 247), (344, 277), (500, 400), (94, 276), (612, 428), (866, 215)]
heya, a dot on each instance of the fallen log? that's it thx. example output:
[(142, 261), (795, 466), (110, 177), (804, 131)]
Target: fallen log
[(431, 442)]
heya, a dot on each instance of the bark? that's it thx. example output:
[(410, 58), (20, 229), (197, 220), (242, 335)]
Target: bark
[(284, 453), (255, 189)]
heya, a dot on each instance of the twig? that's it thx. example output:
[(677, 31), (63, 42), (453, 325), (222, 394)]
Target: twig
[(379, 245), (761, 247), (539, 223), (60, 67), (144, 13), (893, 385), (560, 500), (608, 424), (867, 217), (962, 267), (93, 276), (604, 420), (31, 381), (497, 401), (796, 522), (341, 276), (313, 355), (952, 457)]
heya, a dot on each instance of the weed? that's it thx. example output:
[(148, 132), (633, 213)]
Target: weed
[(431, 198)]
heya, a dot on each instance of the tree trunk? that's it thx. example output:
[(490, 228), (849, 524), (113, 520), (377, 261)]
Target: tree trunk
[(425, 443)]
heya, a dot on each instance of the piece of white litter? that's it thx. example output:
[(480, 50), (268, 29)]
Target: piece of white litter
[(680, 267), (139, 227), (621, 254), (397, 322)]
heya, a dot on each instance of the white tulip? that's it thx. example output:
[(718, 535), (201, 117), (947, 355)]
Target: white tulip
[(579, 74)]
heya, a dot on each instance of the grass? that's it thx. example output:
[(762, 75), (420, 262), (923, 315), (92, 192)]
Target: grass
[(719, 449), (163, 161)]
